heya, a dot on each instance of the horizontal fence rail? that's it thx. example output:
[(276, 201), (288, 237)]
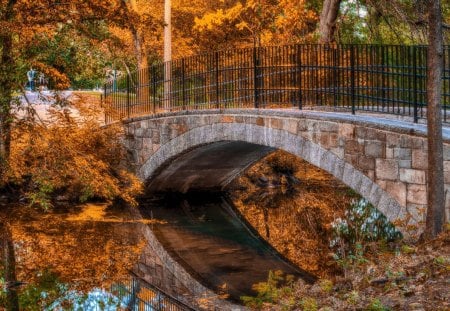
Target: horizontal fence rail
[(377, 78)]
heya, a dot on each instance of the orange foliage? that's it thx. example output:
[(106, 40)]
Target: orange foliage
[(73, 155), (83, 251), (269, 22), (60, 81), (294, 218)]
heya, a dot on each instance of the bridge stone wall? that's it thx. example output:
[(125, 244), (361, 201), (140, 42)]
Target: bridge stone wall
[(385, 161)]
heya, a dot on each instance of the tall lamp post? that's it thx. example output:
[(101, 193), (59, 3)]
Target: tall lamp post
[(167, 53)]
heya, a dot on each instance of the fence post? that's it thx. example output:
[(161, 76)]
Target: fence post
[(256, 76), (299, 68), (335, 75), (128, 96), (104, 103), (446, 63), (416, 114), (153, 77), (183, 84), (216, 61), (383, 78), (352, 78)]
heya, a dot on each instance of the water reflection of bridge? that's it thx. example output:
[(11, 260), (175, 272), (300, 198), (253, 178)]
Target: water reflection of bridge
[(137, 294)]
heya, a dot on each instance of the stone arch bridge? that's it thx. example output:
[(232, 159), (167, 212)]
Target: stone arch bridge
[(383, 160)]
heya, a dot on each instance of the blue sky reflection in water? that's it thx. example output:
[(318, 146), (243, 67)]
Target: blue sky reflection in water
[(96, 299)]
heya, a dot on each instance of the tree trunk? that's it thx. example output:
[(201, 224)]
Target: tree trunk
[(7, 75), (142, 78), (9, 263), (436, 199), (6, 87), (167, 54), (142, 91), (327, 29), (328, 17)]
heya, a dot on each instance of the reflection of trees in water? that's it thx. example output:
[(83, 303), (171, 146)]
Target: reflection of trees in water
[(9, 295), (83, 249), (47, 292), (292, 204)]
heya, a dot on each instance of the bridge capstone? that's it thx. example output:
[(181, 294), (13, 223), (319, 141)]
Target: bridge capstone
[(384, 160)]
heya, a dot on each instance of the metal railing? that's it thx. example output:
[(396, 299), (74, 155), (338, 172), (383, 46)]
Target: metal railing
[(378, 78), (140, 295)]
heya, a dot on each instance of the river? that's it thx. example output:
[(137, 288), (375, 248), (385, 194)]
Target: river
[(206, 235), (90, 248)]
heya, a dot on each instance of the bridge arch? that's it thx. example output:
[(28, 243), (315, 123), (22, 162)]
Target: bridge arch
[(279, 139), (375, 160)]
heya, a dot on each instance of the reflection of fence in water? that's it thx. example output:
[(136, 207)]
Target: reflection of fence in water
[(137, 294), (381, 78)]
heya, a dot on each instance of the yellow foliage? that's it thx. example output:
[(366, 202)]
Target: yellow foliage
[(296, 221), (86, 252), (60, 80), (268, 22), (71, 155)]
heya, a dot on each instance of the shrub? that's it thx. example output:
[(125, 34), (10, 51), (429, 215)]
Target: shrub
[(276, 287), (361, 224), (326, 285), (376, 305), (309, 304), (70, 154)]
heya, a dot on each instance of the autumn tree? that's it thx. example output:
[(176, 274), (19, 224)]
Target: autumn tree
[(75, 50), (83, 159), (140, 21), (20, 23), (256, 22), (185, 37)]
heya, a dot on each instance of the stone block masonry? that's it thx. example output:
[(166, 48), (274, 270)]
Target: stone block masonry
[(384, 160)]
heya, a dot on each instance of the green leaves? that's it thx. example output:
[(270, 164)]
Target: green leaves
[(276, 287)]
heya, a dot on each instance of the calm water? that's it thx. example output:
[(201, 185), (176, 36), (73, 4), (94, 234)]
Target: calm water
[(68, 257), (66, 254), (204, 234)]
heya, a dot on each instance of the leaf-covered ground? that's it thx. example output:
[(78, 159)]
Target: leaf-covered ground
[(292, 204), (409, 278)]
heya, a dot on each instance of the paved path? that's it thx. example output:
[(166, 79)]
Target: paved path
[(382, 120), (42, 101)]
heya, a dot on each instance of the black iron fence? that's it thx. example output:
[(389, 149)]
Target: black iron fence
[(379, 78), (137, 294)]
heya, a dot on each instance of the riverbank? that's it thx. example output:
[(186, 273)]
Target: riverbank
[(409, 277), (294, 205)]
